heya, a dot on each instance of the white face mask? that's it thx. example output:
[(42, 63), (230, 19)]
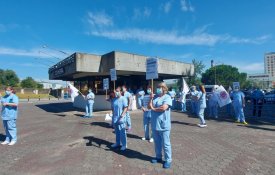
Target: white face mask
[(118, 94)]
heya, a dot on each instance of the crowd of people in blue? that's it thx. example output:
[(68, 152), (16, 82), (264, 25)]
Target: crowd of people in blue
[(156, 107)]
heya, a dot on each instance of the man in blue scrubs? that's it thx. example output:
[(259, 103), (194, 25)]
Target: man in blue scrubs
[(238, 105), (90, 103), (194, 104), (9, 115), (128, 97), (120, 107), (161, 124)]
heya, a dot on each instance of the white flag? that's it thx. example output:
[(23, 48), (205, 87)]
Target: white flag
[(185, 86), (222, 96), (73, 91)]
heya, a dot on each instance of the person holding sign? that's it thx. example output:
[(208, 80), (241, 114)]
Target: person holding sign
[(160, 106), (120, 107), (9, 115), (238, 104), (128, 97), (201, 101), (89, 105), (146, 115)]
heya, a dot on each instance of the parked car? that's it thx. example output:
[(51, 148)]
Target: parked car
[(270, 97)]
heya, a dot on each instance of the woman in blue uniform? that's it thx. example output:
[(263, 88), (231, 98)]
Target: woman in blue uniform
[(201, 101), (160, 105), (120, 107), (147, 116), (9, 115), (90, 103)]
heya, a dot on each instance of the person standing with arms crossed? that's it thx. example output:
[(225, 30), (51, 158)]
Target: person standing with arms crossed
[(161, 124), (90, 104), (9, 115)]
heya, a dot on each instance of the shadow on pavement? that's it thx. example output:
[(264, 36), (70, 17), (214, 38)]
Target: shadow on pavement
[(133, 136), (257, 127), (57, 107), (132, 154), (183, 123), (102, 124)]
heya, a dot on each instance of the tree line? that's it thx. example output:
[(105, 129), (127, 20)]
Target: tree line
[(10, 78)]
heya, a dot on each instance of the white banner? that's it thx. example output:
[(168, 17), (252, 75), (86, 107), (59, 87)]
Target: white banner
[(152, 68), (113, 74), (222, 96), (73, 91), (185, 86)]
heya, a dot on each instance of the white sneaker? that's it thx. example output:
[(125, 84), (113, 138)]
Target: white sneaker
[(143, 138), (12, 143), (114, 145), (5, 142), (123, 148), (151, 140), (202, 125)]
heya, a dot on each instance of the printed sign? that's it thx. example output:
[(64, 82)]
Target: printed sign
[(113, 74), (152, 68), (236, 85), (222, 96), (106, 83)]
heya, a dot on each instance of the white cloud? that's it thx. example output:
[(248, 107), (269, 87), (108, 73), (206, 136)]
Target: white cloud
[(252, 67), (258, 40), (99, 19), (35, 52), (186, 6), (167, 7), (141, 13)]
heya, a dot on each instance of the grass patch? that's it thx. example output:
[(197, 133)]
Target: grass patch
[(33, 96)]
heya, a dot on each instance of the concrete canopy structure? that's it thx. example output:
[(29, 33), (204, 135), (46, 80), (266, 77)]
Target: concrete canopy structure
[(80, 66)]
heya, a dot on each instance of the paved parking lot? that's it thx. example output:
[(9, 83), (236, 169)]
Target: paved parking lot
[(53, 139)]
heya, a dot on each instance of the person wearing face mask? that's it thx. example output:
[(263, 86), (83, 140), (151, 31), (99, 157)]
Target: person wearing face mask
[(128, 97), (238, 105), (147, 115), (160, 105), (140, 96), (193, 94), (120, 107), (9, 115), (111, 100), (201, 102), (89, 105)]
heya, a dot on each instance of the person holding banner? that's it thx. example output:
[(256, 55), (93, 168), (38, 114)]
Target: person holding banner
[(128, 97), (120, 107), (160, 106), (89, 104), (213, 104), (201, 101), (238, 104), (182, 100), (147, 116)]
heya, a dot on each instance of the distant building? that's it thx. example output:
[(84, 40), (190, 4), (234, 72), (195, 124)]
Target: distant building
[(264, 81), (269, 61), (50, 85)]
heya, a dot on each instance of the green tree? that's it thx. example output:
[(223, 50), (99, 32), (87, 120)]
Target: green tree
[(224, 75), (39, 86), (198, 70), (29, 82), (9, 78)]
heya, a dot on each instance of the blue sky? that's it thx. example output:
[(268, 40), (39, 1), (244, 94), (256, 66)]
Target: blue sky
[(230, 32)]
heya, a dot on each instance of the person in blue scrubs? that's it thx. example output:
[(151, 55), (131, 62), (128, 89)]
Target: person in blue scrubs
[(89, 105), (172, 94), (160, 105), (147, 116), (238, 105), (182, 101), (9, 115), (193, 94), (128, 97), (258, 101), (140, 96), (201, 101), (213, 105), (111, 100), (120, 107)]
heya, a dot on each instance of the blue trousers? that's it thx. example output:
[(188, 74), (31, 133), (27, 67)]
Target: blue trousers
[(228, 109), (128, 119), (200, 114), (183, 107), (89, 109), (162, 140), (213, 111), (10, 129), (239, 114), (194, 107), (139, 102), (146, 124), (120, 135)]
